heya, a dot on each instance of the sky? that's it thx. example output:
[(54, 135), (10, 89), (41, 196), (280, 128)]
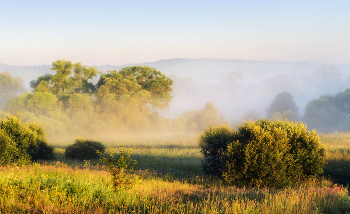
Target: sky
[(121, 32)]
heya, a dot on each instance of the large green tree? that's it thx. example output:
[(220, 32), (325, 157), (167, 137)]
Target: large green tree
[(124, 97), (69, 79), (67, 103), (134, 79)]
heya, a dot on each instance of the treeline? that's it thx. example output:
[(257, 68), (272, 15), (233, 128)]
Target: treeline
[(67, 103), (233, 86), (325, 114)]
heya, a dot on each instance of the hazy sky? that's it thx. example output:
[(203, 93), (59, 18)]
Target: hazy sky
[(116, 32)]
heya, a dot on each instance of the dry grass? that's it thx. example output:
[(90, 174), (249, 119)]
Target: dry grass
[(173, 184)]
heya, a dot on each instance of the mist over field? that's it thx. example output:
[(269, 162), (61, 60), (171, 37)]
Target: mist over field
[(234, 86), (240, 90)]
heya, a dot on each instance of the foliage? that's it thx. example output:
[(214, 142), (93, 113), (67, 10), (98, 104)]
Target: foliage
[(198, 120), (342, 102), (131, 80), (287, 115), (67, 103), (9, 87), (282, 102), (276, 116), (58, 188), (273, 154), (21, 143), (329, 113), (69, 79), (321, 114), (40, 149), (120, 168), (263, 153), (213, 143), (84, 149)]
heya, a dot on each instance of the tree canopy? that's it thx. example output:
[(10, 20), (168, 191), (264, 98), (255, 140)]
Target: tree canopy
[(121, 101), (283, 102), (198, 120), (69, 79), (134, 79), (9, 87), (329, 113)]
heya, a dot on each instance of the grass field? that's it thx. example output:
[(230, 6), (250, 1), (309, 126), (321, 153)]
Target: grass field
[(174, 183)]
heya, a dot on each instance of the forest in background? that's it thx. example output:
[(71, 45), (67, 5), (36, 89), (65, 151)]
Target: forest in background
[(204, 92), (68, 104)]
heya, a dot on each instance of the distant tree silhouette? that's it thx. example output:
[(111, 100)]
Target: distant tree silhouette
[(322, 115), (9, 87), (283, 102)]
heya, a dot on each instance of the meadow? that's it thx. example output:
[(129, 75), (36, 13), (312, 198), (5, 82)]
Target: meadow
[(170, 180)]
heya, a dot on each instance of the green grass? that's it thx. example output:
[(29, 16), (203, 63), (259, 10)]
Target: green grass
[(174, 183), (61, 189), (338, 157)]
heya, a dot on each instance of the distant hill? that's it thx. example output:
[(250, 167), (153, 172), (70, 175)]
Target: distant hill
[(207, 71)]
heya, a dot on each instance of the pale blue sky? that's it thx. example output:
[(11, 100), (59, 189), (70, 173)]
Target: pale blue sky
[(116, 32)]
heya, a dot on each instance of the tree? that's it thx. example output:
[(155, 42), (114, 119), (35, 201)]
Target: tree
[(20, 143), (40, 103), (9, 87), (68, 103), (136, 78), (321, 114), (124, 97), (69, 79), (45, 78), (282, 102), (201, 119), (342, 102), (276, 116), (213, 143)]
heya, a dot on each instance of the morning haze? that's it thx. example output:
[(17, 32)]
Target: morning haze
[(175, 106), (239, 90), (233, 59)]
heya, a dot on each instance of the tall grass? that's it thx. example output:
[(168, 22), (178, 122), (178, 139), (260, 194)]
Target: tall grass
[(338, 158), (61, 189), (173, 184)]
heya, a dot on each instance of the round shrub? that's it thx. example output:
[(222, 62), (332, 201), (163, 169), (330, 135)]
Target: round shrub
[(40, 150), (84, 149), (272, 153), (21, 143), (213, 142)]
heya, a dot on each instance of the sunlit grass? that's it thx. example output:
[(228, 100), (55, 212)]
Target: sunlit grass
[(61, 189), (174, 183), (338, 156)]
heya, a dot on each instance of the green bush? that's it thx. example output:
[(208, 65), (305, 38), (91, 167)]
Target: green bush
[(271, 153), (120, 168), (21, 143), (40, 150), (213, 142), (84, 149)]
